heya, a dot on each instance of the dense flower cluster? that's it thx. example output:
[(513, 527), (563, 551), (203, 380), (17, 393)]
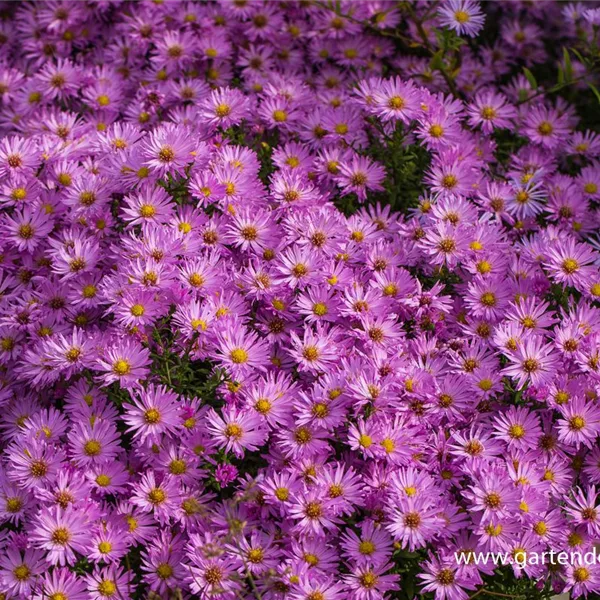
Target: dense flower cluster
[(216, 383)]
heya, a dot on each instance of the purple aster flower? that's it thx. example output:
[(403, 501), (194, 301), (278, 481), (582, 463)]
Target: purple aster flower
[(153, 412), (533, 362), (446, 580), (61, 533), (20, 571), (125, 362), (464, 16)]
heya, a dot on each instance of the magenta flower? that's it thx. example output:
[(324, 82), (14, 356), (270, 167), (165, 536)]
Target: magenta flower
[(61, 533), (293, 295), (152, 413), (446, 580), (236, 431), (126, 363), (226, 474), (532, 362)]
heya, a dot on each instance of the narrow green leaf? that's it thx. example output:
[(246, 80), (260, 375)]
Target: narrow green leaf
[(578, 55), (595, 90), (568, 65), (530, 78), (561, 76)]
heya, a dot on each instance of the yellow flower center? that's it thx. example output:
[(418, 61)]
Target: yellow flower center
[(462, 17), (147, 211), (222, 110), (156, 496), (121, 367), (233, 430), (92, 448), (137, 310), (238, 356), (366, 547), (21, 572), (104, 547), (107, 588), (103, 480)]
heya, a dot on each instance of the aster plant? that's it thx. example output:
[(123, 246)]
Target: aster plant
[(299, 300)]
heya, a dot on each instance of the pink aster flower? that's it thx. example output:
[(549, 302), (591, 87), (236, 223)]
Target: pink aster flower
[(446, 579), (456, 178), (225, 107), (326, 589), (167, 149), (94, 443), (414, 522), (315, 350), (61, 582), (33, 462), (370, 582), (313, 514), (156, 495), (532, 362), (108, 544), (17, 155), (360, 175), (148, 205), (445, 244), (71, 354), (545, 126), (250, 230), (125, 362), (373, 546), (152, 413), (235, 430), (109, 583), (20, 571), (580, 423), (61, 533), (571, 263), (210, 575), (518, 427), (491, 110), (240, 350), (396, 100), (582, 508), (27, 228)]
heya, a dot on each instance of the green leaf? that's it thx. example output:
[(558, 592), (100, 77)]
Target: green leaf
[(568, 65), (578, 55), (529, 75), (561, 77), (436, 63), (595, 90)]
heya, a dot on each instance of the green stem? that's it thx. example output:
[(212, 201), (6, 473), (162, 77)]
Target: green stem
[(494, 594), (427, 44), (554, 89)]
